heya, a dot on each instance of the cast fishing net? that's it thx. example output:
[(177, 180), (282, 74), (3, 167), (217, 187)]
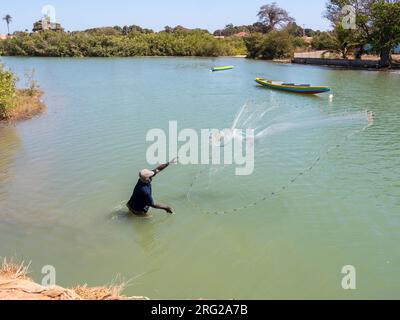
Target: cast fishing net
[(289, 144)]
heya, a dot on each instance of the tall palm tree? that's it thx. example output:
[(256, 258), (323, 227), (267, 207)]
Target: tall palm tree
[(8, 20)]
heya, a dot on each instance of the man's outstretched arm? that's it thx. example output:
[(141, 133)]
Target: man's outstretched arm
[(161, 168), (162, 207), (164, 166)]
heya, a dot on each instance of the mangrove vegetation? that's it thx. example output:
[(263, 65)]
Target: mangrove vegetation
[(275, 35), (18, 104)]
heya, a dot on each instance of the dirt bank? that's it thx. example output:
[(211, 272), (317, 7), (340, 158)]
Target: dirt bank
[(16, 285), (27, 105)]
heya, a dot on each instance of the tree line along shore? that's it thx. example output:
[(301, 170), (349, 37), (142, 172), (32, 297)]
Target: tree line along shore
[(275, 35)]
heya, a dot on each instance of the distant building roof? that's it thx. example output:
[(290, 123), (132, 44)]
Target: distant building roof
[(46, 24), (219, 37), (241, 34), (5, 36)]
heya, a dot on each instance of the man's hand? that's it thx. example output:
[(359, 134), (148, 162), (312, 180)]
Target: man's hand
[(174, 160), (169, 210), (165, 208)]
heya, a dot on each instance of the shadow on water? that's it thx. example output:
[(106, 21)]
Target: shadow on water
[(146, 229), (308, 96), (121, 214)]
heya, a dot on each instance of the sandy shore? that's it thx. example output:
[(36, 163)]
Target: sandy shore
[(16, 285), (318, 54)]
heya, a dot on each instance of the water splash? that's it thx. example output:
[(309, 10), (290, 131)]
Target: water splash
[(266, 124), (363, 118), (120, 212), (268, 121)]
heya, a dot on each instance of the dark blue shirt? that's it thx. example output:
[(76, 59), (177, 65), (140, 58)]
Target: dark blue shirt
[(141, 199)]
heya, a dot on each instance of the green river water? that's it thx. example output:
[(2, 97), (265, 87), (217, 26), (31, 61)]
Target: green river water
[(64, 177)]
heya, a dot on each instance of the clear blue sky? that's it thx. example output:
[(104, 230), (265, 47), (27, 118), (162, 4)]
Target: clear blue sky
[(155, 14)]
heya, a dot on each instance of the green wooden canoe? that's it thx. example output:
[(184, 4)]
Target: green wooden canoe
[(291, 87), (222, 68)]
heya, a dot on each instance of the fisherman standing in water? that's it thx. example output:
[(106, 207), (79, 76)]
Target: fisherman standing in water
[(142, 199)]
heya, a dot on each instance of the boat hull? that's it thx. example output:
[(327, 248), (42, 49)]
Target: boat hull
[(292, 88), (215, 69)]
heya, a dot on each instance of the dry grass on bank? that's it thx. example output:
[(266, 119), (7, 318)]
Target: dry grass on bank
[(27, 105), (16, 285), (100, 293), (10, 269)]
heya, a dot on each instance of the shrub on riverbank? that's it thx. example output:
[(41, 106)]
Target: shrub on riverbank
[(95, 44), (7, 91), (273, 45), (26, 105), (324, 41), (18, 104)]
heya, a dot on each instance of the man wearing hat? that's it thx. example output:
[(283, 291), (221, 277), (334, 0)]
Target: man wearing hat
[(142, 199)]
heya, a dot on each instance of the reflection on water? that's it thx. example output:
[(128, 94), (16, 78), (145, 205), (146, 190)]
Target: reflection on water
[(146, 229), (121, 213), (10, 144)]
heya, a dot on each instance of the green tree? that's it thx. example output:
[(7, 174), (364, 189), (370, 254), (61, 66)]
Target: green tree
[(324, 41), (361, 35), (309, 32), (294, 29), (298, 42), (254, 45), (385, 29), (371, 17), (362, 9), (8, 19), (258, 27), (230, 29), (339, 41), (344, 41), (7, 91), (276, 44), (168, 29), (108, 42)]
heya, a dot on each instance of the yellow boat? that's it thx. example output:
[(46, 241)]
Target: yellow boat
[(291, 87)]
